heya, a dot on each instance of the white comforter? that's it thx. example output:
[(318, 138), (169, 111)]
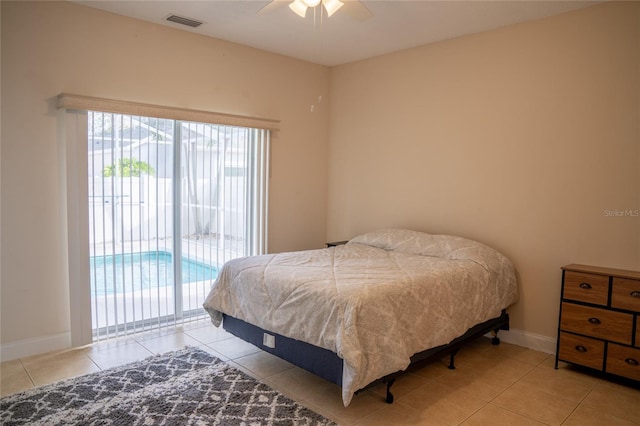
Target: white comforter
[(375, 301)]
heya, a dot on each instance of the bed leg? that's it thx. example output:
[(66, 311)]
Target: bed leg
[(495, 340), (389, 399), (452, 365)]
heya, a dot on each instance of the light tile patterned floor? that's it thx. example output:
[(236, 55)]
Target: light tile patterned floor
[(492, 385)]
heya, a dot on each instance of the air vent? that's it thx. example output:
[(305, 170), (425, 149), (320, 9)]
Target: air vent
[(184, 21)]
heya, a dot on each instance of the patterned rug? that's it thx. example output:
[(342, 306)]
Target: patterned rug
[(186, 387)]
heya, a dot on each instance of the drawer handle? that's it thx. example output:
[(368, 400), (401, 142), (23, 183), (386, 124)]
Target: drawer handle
[(581, 348), (585, 286), (632, 361), (595, 321), (635, 293)]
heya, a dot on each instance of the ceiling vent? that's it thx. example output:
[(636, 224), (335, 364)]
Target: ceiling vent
[(193, 23)]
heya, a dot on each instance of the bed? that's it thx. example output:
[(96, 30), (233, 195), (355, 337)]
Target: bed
[(365, 310)]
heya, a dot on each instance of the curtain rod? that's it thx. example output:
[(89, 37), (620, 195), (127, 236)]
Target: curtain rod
[(88, 103)]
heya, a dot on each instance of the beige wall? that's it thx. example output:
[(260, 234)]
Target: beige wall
[(49, 48), (519, 137)]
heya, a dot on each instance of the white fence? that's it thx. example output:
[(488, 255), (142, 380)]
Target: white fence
[(126, 209)]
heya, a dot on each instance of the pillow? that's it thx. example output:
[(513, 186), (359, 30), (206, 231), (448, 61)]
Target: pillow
[(411, 242), (448, 247), (423, 244)]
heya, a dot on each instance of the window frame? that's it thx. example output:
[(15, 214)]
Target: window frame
[(73, 128)]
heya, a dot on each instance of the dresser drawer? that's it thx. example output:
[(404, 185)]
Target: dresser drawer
[(626, 294), (589, 288), (623, 361), (609, 325), (581, 350)]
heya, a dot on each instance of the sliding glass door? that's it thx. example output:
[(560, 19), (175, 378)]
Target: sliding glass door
[(169, 203)]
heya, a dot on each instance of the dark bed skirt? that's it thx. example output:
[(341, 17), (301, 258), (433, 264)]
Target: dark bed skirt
[(327, 364), (319, 361)]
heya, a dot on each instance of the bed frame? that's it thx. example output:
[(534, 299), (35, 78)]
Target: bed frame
[(326, 364)]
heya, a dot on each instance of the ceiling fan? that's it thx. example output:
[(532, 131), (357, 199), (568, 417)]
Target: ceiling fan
[(354, 8), (300, 6)]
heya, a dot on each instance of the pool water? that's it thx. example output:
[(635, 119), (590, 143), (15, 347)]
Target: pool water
[(141, 271)]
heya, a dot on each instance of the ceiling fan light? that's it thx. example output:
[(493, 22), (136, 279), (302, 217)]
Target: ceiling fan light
[(311, 3), (332, 6), (299, 7)]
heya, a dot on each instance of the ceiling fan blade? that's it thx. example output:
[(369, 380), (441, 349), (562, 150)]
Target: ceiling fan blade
[(357, 10), (272, 6)]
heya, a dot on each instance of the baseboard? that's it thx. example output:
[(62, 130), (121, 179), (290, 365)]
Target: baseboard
[(39, 345), (34, 346), (537, 342)]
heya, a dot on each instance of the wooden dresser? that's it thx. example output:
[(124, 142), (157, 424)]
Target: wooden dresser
[(599, 324)]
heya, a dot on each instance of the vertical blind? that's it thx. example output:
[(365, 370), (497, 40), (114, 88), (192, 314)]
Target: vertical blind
[(169, 202)]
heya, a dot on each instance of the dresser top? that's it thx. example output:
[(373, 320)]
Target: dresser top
[(622, 273)]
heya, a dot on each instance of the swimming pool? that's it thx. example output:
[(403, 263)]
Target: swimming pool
[(140, 271)]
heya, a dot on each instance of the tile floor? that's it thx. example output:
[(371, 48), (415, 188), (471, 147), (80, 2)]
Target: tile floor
[(492, 385)]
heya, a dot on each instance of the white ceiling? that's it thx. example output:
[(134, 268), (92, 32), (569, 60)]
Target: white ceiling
[(359, 30)]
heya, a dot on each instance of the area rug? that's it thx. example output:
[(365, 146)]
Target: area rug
[(186, 387)]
